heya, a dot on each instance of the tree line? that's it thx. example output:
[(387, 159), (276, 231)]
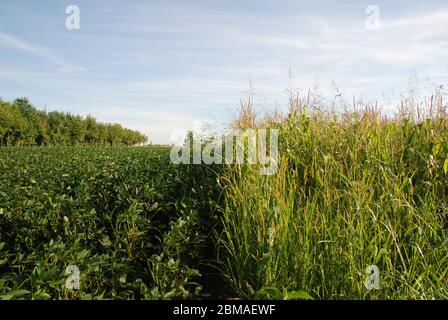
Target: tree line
[(22, 124)]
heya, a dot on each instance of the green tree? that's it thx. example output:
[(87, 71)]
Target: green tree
[(23, 124)]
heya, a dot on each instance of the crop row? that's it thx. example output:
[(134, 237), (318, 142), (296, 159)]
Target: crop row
[(134, 225)]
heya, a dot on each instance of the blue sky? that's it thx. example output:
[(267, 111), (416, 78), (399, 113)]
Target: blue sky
[(160, 66)]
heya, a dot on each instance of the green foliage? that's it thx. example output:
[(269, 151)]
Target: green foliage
[(348, 194), (273, 293), (21, 124), (135, 225)]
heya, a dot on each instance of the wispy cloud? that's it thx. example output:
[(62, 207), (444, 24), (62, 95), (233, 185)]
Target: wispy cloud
[(15, 43)]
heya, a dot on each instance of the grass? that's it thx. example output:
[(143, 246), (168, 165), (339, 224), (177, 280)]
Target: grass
[(352, 190)]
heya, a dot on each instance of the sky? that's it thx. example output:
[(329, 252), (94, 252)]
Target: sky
[(164, 66)]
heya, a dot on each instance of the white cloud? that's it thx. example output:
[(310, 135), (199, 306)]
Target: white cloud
[(422, 20), (15, 43), (294, 42)]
